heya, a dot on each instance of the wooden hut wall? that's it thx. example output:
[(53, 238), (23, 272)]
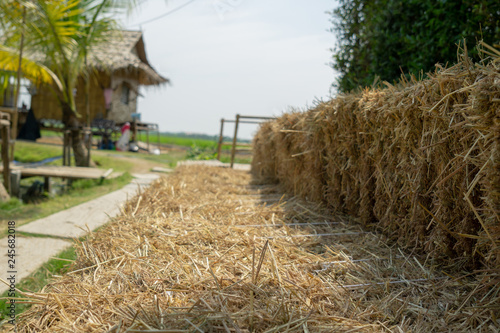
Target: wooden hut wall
[(46, 105), (97, 103)]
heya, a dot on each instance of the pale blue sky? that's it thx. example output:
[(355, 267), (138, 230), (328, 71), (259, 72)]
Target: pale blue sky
[(252, 57)]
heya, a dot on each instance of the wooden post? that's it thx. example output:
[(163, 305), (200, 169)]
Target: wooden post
[(134, 130), (65, 144), (15, 183), (13, 134), (233, 151), (88, 133), (67, 148), (158, 129), (5, 126), (70, 144), (47, 184), (147, 137), (221, 137)]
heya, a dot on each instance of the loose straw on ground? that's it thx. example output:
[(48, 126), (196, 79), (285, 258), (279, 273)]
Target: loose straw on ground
[(174, 262)]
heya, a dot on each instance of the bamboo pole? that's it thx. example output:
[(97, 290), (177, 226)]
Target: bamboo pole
[(221, 137), (147, 136), (18, 87), (64, 148), (233, 152), (87, 110), (243, 121), (257, 117)]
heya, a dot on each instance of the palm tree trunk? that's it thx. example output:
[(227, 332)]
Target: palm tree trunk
[(18, 87), (71, 123), (79, 149)]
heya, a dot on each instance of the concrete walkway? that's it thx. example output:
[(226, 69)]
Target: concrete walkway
[(54, 232)]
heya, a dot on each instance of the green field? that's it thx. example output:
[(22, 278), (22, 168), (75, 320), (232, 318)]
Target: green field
[(180, 141), (201, 141), (166, 139)]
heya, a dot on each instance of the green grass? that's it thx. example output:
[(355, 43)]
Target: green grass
[(11, 204), (45, 133), (107, 160), (188, 142), (28, 152), (36, 281), (241, 160)]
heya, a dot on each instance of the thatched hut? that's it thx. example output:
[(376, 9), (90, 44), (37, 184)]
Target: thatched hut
[(120, 68)]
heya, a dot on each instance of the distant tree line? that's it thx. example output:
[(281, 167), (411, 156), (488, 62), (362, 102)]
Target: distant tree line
[(191, 135), (383, 38), (200, 136)]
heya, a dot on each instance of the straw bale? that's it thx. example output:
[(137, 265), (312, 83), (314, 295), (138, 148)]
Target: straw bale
[(418, 161), (286, 141), (188, 255), (264, 149)]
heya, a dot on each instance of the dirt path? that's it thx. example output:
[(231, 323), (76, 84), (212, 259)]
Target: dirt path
[(140, 165), (208, 250)]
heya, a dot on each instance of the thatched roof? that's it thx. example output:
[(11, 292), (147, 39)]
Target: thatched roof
[(125, 50)]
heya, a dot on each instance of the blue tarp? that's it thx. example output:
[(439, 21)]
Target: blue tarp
[(45, 161)]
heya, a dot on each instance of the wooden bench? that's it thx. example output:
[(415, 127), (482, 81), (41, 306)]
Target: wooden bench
[(66, 172)]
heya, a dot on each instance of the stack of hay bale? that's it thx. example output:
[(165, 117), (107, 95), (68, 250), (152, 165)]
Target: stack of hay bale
[(418, 161)]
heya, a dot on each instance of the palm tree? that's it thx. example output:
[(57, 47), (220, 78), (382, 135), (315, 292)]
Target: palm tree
[(58, 35)]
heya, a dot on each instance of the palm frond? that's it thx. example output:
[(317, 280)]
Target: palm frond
[(32, 70)]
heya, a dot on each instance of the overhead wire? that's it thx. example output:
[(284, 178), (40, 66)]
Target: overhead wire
[(164, 14)]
